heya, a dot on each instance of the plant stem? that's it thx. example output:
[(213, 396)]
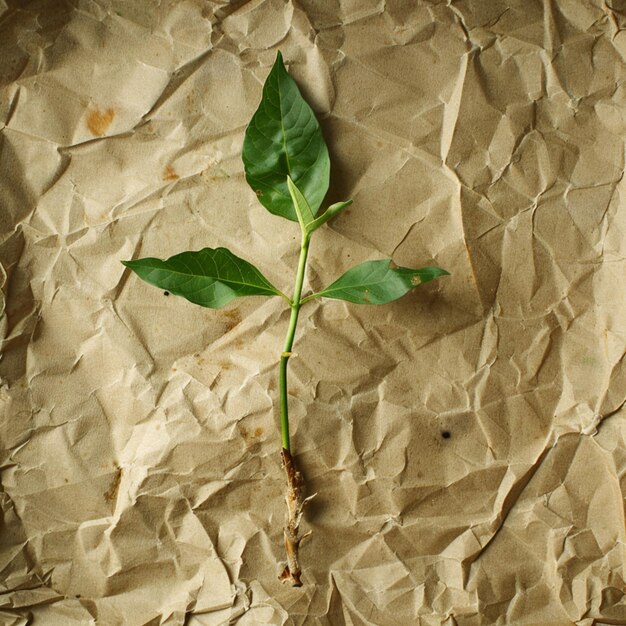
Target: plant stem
[(284, 359), (294, 496)]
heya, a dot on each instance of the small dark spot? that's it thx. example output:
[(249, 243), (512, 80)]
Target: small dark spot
[(166, 293), (446, 434), (259, 193)]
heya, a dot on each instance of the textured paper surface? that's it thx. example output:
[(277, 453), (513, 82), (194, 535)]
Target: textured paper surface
[(466, 443)]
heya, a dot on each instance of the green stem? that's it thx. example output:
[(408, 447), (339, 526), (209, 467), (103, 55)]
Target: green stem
[(284, 359)]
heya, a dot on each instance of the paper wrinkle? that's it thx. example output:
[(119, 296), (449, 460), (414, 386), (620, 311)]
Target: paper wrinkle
[(480, 137)]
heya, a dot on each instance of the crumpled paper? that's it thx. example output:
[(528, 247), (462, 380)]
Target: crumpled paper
[(466, 443)]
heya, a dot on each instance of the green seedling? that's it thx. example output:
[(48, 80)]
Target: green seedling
[(287, 165)]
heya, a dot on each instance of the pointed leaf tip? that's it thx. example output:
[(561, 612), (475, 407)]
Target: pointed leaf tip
[(330, 212)]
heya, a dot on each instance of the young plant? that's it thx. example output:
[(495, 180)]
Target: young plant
[(287, 165)]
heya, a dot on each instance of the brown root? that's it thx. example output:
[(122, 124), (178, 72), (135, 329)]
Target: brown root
[(295, 506)]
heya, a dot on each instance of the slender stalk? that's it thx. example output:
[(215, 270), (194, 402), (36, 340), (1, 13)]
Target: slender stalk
[(294, 496), (284, 359)]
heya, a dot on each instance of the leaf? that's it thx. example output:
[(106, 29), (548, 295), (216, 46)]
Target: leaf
[(377, 282), (284, 139), (303, 210), (209, 277), (305, 216), (331, 211)]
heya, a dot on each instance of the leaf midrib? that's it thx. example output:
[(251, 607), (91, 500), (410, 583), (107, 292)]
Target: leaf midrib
[(356, 286), (282, 126), (215, 278)]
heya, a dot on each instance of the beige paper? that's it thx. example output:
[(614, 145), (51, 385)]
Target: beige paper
[(466, 443)]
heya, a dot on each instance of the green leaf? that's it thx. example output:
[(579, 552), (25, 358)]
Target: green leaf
[(331, 211), (303, 210), (305, 216), (284, 139), (209, 277), (377, 282)]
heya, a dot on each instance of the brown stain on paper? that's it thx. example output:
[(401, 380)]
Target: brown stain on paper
[(170, 173), (250, 434), (233, 318), (98, 122)]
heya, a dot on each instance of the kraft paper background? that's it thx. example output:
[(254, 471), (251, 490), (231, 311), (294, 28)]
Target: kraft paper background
[(467, 443)]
